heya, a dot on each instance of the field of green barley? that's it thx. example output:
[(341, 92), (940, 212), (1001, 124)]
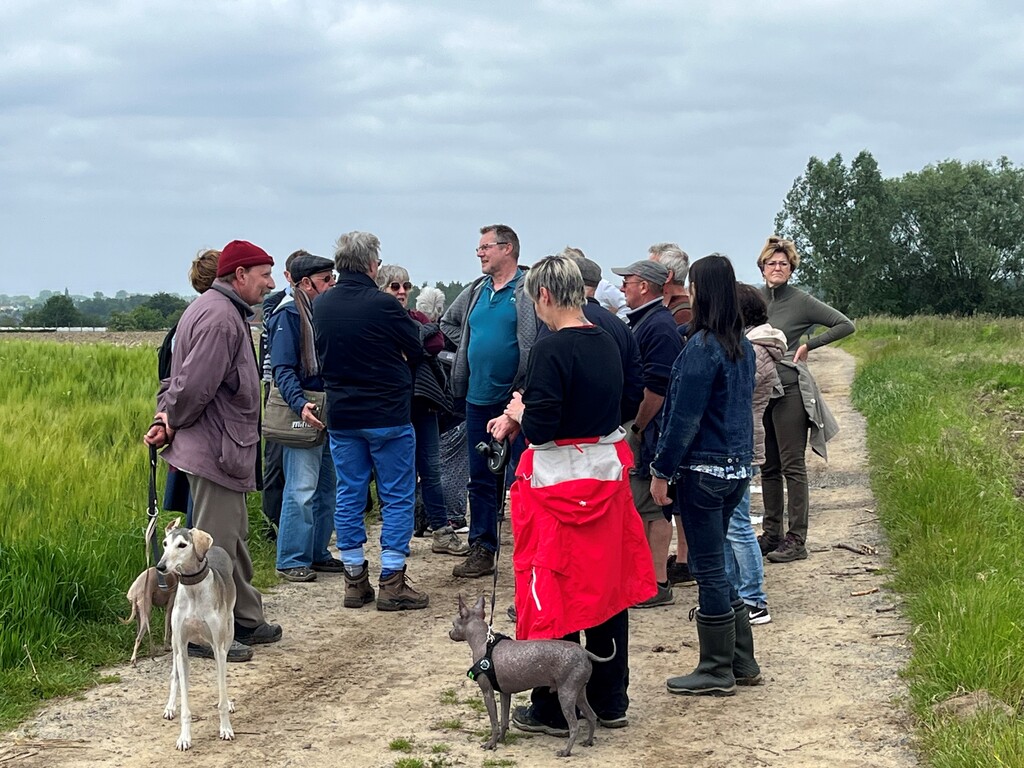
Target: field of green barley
[(73, 507)]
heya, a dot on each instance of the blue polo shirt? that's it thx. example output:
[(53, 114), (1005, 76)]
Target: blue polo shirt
[(493, 353)]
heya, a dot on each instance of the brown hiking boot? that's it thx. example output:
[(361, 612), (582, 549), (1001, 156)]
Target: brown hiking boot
[(358, 591), (447, 542), (396, 594), (479, 563), (768, 543), (791, 549)]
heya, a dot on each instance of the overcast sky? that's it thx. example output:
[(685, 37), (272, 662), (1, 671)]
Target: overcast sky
[(134, 133)]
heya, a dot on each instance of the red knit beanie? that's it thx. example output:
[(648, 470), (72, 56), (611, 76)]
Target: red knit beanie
[(241, 253)]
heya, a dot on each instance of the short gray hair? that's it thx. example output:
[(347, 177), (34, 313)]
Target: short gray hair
[(391, 273), (356, 252), (430, 302), (673, 258), (561, 276)]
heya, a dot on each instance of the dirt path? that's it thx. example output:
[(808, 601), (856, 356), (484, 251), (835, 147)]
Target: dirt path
[(343, 684)]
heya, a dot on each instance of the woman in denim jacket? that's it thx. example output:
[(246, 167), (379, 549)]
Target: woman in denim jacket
[(706, 451)]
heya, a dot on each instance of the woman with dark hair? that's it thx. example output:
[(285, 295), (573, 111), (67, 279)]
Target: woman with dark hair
[(581, 558), (705, 451), (788, 418)]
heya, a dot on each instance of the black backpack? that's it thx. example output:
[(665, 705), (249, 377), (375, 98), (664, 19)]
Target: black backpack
[(163, 355)]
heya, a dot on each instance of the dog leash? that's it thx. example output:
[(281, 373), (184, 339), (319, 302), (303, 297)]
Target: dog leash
[(153, 552), (498, 453)]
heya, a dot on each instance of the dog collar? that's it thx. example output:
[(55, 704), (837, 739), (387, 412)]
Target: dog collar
[(189, 579), (485, 666)]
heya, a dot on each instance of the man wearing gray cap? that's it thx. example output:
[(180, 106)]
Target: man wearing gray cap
[(308, 498), (643, 284)]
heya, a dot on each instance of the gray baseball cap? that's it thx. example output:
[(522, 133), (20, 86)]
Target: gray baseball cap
[(308, 265), (648, 270)]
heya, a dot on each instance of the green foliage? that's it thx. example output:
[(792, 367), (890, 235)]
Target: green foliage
[(72, 512), (58, 311), (948, 239), (400, 745), (944, 399)]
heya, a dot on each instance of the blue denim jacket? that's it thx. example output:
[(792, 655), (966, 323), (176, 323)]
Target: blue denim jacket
[(708, 413)]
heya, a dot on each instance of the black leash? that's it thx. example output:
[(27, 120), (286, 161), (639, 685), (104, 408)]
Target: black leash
[(153, 551), (498, 453)]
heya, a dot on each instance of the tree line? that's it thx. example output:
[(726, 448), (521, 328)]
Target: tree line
[(137, 312), (948, 239)]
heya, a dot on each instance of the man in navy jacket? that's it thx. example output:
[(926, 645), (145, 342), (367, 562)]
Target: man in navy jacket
[(368, 346)]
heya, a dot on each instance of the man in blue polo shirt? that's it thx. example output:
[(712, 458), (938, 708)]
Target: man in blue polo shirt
[(494, 325)]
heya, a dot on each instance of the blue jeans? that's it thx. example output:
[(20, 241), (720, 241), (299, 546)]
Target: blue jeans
[(389, 452), (428, 467), (706, 504), (483, 484), (307, 506), (743, 564)]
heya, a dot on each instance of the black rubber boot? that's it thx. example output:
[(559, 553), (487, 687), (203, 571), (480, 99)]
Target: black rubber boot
[(713, 675), (744, 666)]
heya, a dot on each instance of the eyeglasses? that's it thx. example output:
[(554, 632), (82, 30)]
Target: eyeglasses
[(776, 264), (396, 285), (631, 282), (485, 246), (329, 278)]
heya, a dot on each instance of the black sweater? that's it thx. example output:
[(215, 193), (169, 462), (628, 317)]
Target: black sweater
[(573, 386)]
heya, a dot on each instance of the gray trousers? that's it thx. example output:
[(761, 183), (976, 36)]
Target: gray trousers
[(221, 513)]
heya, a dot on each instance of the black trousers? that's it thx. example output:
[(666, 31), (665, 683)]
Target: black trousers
[(606, 690)]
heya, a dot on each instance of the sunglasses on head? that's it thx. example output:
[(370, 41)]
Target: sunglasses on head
[(396, 285)]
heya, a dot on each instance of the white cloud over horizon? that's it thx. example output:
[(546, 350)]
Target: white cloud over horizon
[(134, 133)]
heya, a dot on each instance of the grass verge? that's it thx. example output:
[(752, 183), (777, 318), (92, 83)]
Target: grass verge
[(944, 401)]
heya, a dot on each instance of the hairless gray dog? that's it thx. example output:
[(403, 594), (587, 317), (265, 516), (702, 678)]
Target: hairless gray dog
[(519, 665)]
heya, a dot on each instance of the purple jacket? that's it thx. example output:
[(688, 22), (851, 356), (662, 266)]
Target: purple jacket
[(212, 398)]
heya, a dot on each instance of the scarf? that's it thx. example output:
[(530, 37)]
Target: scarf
[(308, 359)]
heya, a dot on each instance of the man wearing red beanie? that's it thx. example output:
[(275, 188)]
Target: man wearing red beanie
[(215, 438)]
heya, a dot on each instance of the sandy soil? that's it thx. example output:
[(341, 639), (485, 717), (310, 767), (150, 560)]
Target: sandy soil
[(343, 684)]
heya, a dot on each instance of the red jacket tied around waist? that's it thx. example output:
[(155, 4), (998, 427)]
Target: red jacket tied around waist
[(580, 553)]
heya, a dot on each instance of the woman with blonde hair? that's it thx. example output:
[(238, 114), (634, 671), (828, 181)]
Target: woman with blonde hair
[(788, 418)]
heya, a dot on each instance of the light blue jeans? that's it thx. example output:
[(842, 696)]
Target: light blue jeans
[(743, 564), (307, 507), (390, 453)]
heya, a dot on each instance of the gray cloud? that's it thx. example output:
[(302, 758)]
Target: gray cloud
[(133, 133)]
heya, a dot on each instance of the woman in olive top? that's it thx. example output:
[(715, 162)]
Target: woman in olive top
[(788, 418)]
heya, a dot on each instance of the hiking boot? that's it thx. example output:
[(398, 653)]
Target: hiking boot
[(791, 549), (446, 542), (613, 722), (358, 591), (330, 565), (459, 524), (679, 573), (479, 563), (297, 574), (663, 596), (758, 615), (259, 635), (768, 543), (237, 651), (524, 719), (396, 594)]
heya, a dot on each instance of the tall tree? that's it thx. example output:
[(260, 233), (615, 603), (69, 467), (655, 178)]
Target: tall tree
[(57, 312), (962, 226), (840, 220)]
